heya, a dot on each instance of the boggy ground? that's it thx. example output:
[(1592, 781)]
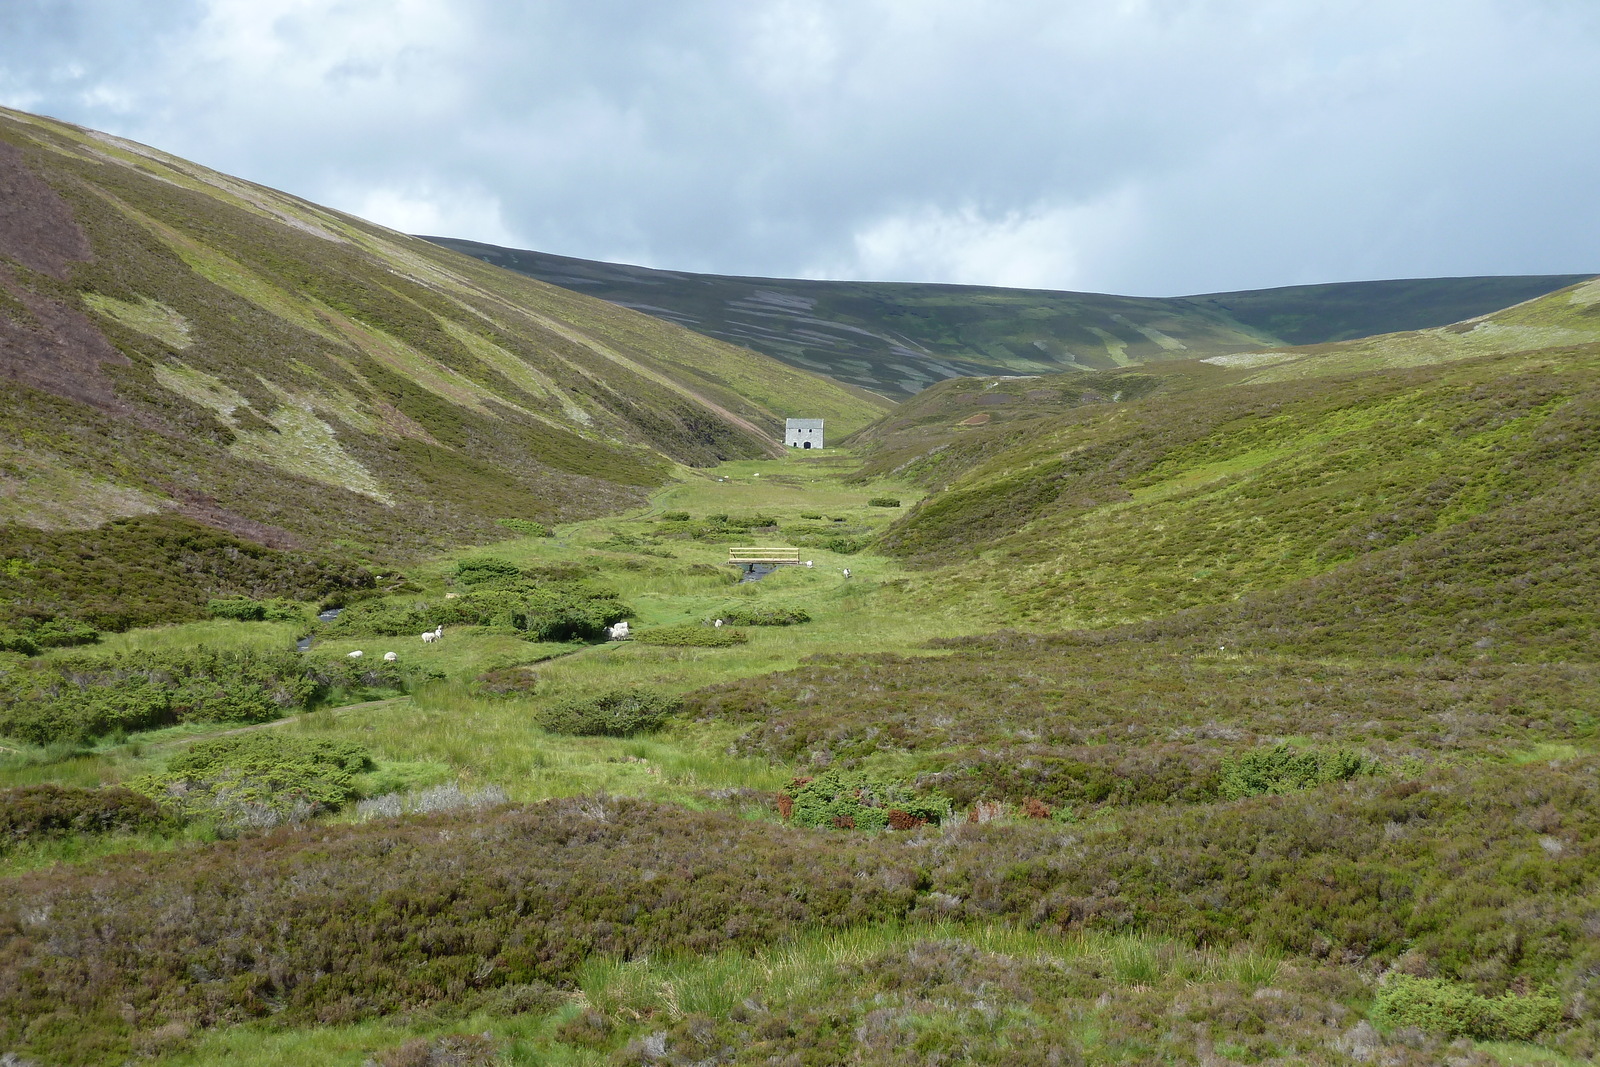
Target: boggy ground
[(1157, 850)]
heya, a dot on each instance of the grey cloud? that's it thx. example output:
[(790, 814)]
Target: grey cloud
[(1149, 147)]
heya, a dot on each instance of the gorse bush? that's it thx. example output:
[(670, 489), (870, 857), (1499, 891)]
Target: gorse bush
[(257, 779), (244, 609), (481, 570), (30, 636), (1282, 769), (674, 516), (527, 527), (883, 502), (692, 637), (743, 616), (77, 698), (848, 801), (39, 811), (613, 713), (1457, 1010)]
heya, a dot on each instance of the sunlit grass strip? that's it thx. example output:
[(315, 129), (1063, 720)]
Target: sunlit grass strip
[(714, 985)]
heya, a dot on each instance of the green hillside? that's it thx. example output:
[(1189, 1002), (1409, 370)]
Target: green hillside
[(176, 341), (896, 338), (1209, 486)]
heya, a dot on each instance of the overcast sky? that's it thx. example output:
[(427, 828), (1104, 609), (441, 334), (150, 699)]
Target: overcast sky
[(1149, 147)]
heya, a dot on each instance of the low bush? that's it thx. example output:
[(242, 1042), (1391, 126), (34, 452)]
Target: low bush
[(883, 502), (29, 636), (1282, 769), (37, 811), (614, 713), (844, 546), (848, 801), (692, 637), (740, 616), (526, 527), (77, 698), (674, 516), (747, 522), (1451, 1008), (244, 609), (482, 570), (257, 779)]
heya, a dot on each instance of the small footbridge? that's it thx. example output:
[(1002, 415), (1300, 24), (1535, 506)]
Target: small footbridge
[(757, 563)]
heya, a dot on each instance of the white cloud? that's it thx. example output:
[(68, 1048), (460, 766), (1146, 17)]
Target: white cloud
[(1039, 247), (471, 214)]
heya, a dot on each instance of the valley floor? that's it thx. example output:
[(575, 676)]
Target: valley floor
[(1129, 849)]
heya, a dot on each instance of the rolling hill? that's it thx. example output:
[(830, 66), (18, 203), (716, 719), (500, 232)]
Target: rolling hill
[(897, 338), (179, 342), (1433, 489)]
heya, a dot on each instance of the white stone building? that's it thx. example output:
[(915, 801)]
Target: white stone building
[(802, 433)]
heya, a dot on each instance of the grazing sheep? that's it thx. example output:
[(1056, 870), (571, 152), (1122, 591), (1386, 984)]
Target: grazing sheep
[(390, 657), (354, 655), (619, 632), (439, 632), (847, 572), (808, 563), (717, 624), (429, 638)]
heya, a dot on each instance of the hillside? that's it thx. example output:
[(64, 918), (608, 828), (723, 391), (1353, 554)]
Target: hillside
[(178, 342), (897, 338), (1232, 487)]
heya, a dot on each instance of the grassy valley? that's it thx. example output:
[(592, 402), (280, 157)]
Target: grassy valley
[(1223, 710), (897, 338)]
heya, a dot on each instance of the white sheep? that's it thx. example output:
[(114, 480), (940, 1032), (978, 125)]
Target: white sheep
[(847, 572), (717, 624), (808, 563), (354, 655), (619, 632), (429, 638), (390, 657), (439, 631)]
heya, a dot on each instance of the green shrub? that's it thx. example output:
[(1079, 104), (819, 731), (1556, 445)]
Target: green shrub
[(883, 502), (745, 522), (37, 811), (239, 608), (674, 516), (692, 637), (1449, 1008), (527, 527), (244, 609), (844, 546), (257, 779), (614, 713), (80, 697), (1286, 770), (31, 635), (482, 570), (740, 616), (849, 801)]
